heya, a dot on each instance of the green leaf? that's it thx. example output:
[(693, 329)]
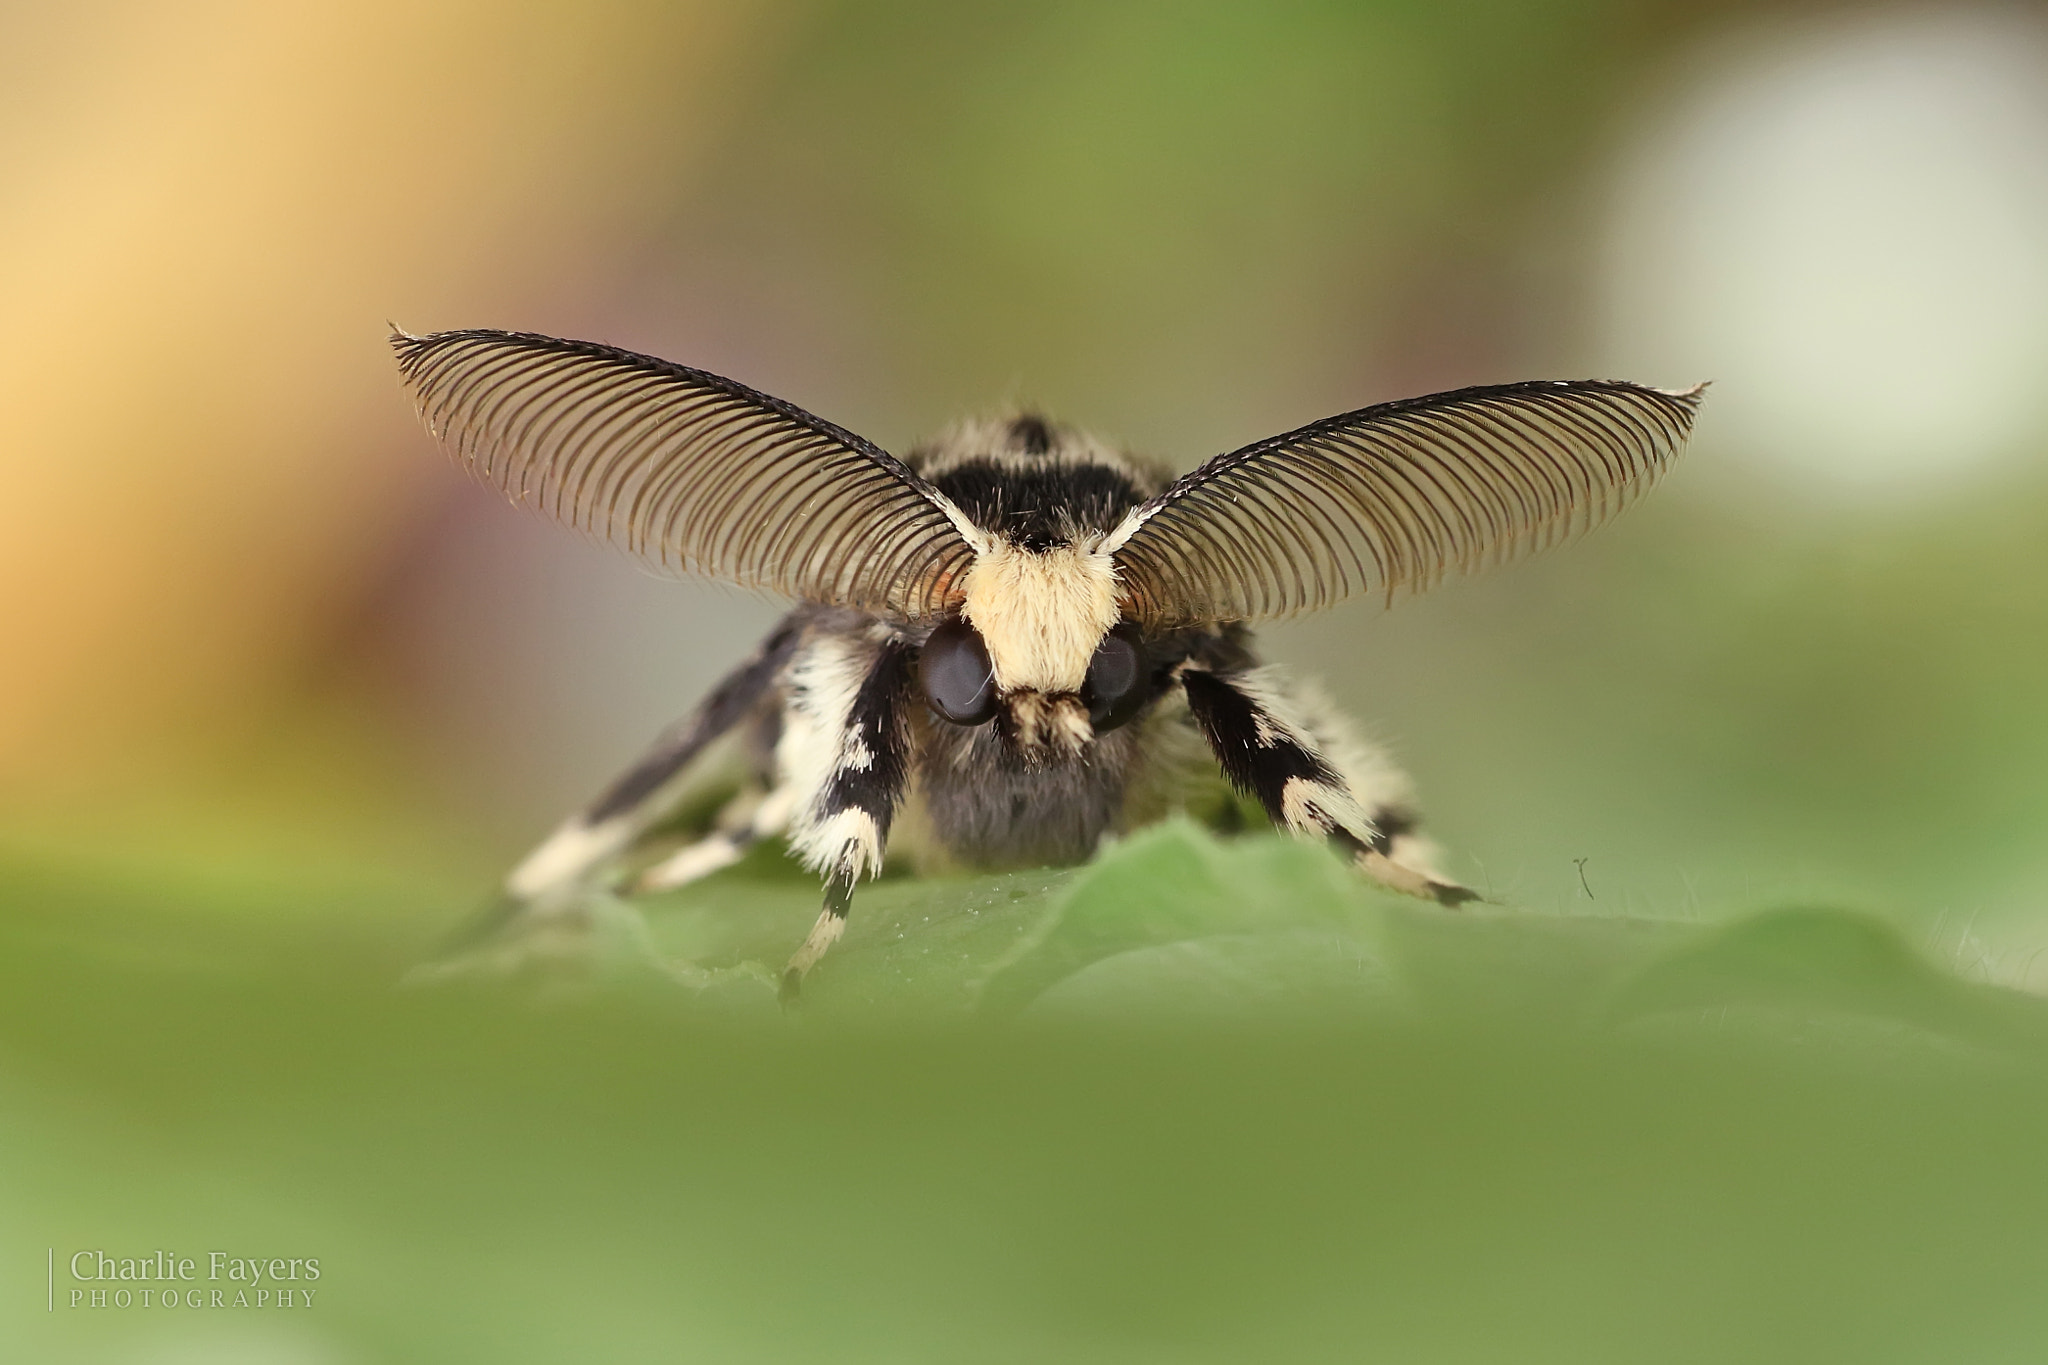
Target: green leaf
[(1800, 967), (1174, 923), (1171, 917), (1174, 914)]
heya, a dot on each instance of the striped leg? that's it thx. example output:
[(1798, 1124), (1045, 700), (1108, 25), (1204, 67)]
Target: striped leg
[(579, 854), (1315, 779), (719, 849), (845, 753)]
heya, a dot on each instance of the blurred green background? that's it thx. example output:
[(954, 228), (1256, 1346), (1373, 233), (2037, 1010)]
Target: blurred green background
[(283, 695)]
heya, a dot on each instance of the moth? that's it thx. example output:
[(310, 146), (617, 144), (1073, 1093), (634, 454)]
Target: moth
[(1024, 635)]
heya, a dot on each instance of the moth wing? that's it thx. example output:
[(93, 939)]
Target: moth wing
[(1394, 497), (691, 472)]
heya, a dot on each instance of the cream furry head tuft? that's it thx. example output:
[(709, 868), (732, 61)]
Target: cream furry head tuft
[(1041, 612)]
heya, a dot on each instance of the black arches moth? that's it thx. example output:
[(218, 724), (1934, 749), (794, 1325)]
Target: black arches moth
[(1008, 625)]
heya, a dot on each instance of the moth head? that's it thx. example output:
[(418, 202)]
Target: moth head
[(1037, 638), (957, 675)]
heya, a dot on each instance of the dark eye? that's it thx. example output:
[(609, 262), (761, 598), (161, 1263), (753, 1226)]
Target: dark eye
[(1119, 679), (958, 679)]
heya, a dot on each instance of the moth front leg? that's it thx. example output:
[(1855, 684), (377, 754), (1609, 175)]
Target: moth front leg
[(1314, 780), (846, 753), (544, 912), (581, 852)]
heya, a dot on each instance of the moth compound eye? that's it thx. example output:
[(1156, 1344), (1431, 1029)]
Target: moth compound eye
[(1119, 681), (958, 679)]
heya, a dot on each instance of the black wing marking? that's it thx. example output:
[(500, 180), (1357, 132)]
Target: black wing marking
[(693, 473), (1393, 497)]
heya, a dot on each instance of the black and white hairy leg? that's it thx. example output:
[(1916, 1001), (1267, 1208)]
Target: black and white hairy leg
[(1017, 637)]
